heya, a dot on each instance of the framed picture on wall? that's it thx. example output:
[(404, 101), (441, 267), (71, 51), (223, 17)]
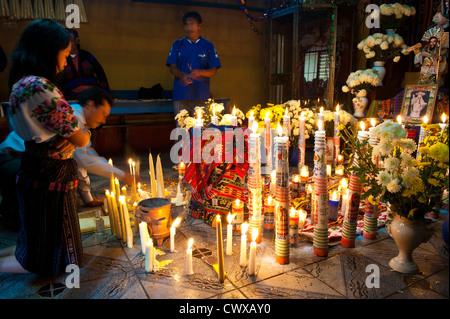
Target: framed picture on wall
[(418, 101)]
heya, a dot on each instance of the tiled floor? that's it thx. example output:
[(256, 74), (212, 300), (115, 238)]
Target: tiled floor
[(112, 271)]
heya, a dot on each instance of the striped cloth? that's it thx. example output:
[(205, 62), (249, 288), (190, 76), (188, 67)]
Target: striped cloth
[(217, 185), (49, 236)]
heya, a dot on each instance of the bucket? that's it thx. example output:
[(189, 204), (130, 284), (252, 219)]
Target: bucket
[(159, 218)]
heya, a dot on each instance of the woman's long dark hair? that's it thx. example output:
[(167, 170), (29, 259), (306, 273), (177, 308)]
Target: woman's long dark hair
[(37, 51)]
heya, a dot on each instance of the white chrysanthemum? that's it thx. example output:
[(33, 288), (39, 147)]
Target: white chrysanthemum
[(396, 59), (407, 145), (345, 89), (384, 178), (384, 45), (410, 173), (385, 147), (391, 163), (370, 55), (394, 186), (407, 160)]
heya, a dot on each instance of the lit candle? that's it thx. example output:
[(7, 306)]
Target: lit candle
[(149, 256), (143, 235), (295, 186), (117, 219), (252, 255), (329, 171), (337, 139), (221, 266), (243, 257), (181, 170), (301, 141), (214, 119), (189, 269), (173, 232), (339, 171), (444, 119), (233, 117), (333, 206), (282, 198), (399, 120), (230, 218), (124, 193), (254, 183), (152, 176), (251, 119), (293, 226), (237, 207), (268, 141), (304, 177), (110, 212), (286, 123), (320, 203), (321, 116), (269, 218), (198, 121)]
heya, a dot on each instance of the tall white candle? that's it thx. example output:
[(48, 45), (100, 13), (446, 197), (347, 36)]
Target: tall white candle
[(152, 176), (251, 119), (189, 269), (214, 119), (159, 179), (268, 141), (337, 139), (173, 232), (252, 256), (233, 117), (111, 176), (286, 123), (444, 119), (143, 235), (149, 255), (198, 123), (321, 116), (243, 257), (230, 218), (301, 141), (126, 217)]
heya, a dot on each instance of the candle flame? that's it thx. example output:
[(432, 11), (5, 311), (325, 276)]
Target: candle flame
[(254, 234), (444, 117), (337, 108), (107, 192), (252, 112), (293, 212), (234, 110), (309, 188), (344, 183), (218, 218), (125, 188), (181, 165), (373, 122), (230, 218), (133, 164), (244, 228), (302, 215), (139, 186), (320, 125), (116, 180), (255, 127), (334, 196), (199, 114), (110, 162), (399, 119), (237, 202), (129, 161), (190, 243), (286, 112), (425, 119), (296, 179), (302, 115), (279, 130), (321, 110), (363, 126), (176, 222), (340, 158), (122, 199), (269, 200), (304, 171), (268, 115)]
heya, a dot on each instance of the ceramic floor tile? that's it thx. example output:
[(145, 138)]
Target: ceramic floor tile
[(21, 285)]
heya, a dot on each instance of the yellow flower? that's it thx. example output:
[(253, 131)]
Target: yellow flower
[(373, 201), (433, 182), (424, 150), (439, 152), (411, 213)]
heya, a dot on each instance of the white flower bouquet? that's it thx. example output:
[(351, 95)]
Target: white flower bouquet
[(383, 47), (360, 82), (393, 15)]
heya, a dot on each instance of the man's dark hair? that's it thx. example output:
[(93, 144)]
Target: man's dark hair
[(192, 14), (37, 51), (96, 95)]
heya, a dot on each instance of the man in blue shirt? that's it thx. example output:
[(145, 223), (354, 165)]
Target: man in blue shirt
[(192, 60)]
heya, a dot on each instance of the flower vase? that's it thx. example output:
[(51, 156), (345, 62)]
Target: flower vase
[(408, 235), (360, 105), (378, 66)]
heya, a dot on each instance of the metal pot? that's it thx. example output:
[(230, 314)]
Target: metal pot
[(156, 213)]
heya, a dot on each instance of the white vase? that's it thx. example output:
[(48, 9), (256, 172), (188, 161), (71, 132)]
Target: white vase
[(408, 235), (360, 105), (378, 66)]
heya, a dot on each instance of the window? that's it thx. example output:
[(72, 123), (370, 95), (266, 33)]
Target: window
[(316, 64)]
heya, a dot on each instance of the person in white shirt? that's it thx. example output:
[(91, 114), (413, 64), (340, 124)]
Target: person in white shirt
[(94, 108)]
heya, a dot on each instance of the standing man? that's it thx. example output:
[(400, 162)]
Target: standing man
[(192, 60)]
